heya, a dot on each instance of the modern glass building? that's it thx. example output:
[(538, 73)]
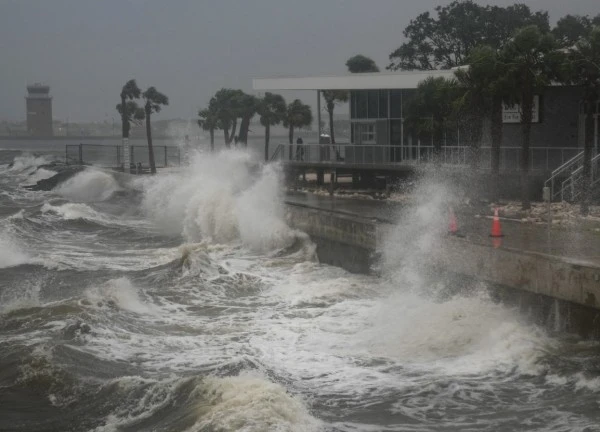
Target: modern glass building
[(378, 116)]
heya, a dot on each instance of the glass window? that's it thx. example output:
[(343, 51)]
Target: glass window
[(373, 103), (368, 132), (352, 104), (361, 104), (383, 103), (396, 103)]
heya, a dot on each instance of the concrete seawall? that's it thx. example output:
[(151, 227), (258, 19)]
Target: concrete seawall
[(543, 284)]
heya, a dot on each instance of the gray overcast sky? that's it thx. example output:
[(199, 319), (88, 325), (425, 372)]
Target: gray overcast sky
[(86, 50)]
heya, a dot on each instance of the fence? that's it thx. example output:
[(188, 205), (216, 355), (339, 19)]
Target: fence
[(112, 155), (541, 158)]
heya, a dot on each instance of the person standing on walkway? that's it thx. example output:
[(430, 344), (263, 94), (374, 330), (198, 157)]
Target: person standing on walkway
[(299, 149)]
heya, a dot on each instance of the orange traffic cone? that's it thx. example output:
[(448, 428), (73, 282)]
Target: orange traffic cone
[(496, 228), (453, 224)]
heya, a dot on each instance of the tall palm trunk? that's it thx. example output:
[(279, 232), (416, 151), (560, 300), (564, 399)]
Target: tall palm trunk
[(124, 131), (124, 117), (496, 132), (231, 134), (226, 137), (150, 148), (526, 107), (330, 107), (291, 138), (244, 127), (267, 138), (586, 186)]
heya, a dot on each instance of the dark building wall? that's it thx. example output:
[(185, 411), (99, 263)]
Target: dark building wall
[(558, 126), (39, 116), (559, 119)]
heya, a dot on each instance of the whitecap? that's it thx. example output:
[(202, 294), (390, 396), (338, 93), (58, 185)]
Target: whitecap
[(88, 186)]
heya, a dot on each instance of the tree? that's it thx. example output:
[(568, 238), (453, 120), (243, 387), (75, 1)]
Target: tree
[(584, 60), (153, 103), (485, 92), (227, 108), (331, 98), (132, 114), (209, 121), (128, 111), (272, 110), (432, 107), (298, 115), (532, 61), (446, 41), (247, 106), (359, 64), (571, 28)]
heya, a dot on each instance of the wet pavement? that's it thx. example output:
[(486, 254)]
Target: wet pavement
[(570, 243)]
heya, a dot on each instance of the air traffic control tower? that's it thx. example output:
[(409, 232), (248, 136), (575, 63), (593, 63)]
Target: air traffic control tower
[(39, 110)]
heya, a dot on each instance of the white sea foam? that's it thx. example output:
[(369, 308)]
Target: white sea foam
[(249, 402), (39, 174), (73, 211), (28, 163), (219, 198), (11, 254), (88, 186), (119, 293)]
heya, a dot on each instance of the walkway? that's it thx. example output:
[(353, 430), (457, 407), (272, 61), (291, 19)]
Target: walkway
[(571, 244)]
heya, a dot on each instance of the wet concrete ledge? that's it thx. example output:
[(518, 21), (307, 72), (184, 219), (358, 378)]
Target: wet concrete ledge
[(535, 280)]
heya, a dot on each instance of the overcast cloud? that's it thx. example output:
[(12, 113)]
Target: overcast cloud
[(86, 50)]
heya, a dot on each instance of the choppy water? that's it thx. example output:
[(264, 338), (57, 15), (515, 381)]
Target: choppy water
[(183, 302)]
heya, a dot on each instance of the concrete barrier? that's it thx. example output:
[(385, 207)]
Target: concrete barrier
[(529, 279)]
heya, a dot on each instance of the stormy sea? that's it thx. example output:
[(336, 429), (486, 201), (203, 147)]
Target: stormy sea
[(184, 302)]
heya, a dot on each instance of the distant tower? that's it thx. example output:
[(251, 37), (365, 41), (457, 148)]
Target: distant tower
[(39, 110)]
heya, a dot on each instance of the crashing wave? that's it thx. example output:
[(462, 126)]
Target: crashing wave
[(221, 198)]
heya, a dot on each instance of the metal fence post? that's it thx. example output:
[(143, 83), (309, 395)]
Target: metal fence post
[(166, 163)]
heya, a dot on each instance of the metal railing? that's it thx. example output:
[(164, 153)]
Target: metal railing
[(111, 156), (572, 187), (541, 158)]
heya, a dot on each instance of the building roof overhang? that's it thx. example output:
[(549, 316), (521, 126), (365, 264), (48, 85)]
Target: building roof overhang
[(359, 81)]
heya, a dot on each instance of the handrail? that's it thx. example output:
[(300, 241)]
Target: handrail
[(277, 151), (542, 158), (560, 170), (569, 184)]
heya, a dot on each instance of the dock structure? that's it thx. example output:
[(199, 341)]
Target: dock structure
[(383, 141)]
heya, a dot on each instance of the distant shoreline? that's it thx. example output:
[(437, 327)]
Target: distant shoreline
[(75, 138)]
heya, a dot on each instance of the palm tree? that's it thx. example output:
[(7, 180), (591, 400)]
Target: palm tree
[(585, 67), (298, 115), (153, 102), (247, 106), (531, 61), (331, 98), (435, 99), (209, 121), (272, 111), (129, 92), (486, 91), (227, 106), (130, 112)]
